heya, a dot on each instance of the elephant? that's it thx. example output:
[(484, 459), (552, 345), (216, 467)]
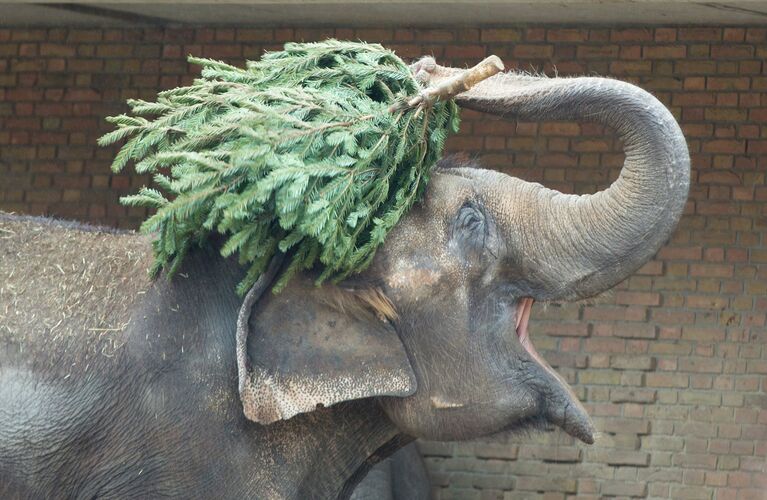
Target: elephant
[(114, 385)]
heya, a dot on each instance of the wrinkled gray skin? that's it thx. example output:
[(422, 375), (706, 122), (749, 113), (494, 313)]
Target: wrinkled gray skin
[(402, 476), (163, 418)]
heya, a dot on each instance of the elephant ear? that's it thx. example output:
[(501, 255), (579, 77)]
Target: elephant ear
[(310, 347)]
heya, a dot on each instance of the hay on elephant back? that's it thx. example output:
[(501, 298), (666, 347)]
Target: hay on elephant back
[(68, 288)]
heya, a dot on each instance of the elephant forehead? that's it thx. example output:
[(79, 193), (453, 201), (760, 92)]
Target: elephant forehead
[(411, 277), (426, 228), (421, 262), (448, 191), (417, 255), (495, 190)]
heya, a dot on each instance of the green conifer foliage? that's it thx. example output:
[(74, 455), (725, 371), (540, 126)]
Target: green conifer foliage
[(311, 151)]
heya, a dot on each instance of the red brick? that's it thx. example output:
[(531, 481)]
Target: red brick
[(700, 365), (597, 52), (55, 49), (614, 313), (726, 177), (371, 34), (222, 51), (82, 95), (28, 35), (623, 395), (700, 34), (636, 331), (565, 329), (630, 67), (605, 345), (533, 51), (631, 35), (731, 51), (630, 458), (734, 34), (665, 52), (550, 454), (665, 34), (465, 52), (667, 380), (706, 302), (84, 35), (703, 334), (728, 83), (637, 298), (567, 35), (535, 34), (114, 50), (757, 147), (500, 35), (711, 270), (693, 99), (643, 363), (624, 489), (756, 35), (556, 484)]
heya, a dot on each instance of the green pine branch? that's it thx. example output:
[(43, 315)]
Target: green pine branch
[(298, 153)]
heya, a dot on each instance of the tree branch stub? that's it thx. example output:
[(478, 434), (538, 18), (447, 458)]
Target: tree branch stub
[(459, 83)]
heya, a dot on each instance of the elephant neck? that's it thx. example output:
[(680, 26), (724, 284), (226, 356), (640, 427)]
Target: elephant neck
[(191, 349), (192, 315), (331, 449)]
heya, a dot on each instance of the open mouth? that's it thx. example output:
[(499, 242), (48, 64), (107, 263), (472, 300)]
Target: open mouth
[(523, 318), (563, 407)]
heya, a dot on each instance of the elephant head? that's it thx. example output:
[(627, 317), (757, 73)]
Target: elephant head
[(447, 351)]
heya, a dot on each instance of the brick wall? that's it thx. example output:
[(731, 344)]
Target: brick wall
[(671, 364)]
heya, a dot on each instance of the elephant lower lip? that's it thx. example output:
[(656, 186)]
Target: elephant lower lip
[(565, 411)]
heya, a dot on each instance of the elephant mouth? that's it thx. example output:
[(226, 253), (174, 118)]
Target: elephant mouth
[(562, 407), (524, 308)]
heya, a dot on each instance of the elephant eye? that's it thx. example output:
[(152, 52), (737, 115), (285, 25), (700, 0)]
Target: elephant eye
[(470, 218), (470, 230)]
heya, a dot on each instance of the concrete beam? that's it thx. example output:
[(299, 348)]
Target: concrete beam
[(271, 13)]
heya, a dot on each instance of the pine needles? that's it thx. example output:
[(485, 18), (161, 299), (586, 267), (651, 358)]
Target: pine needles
[(311, 151)]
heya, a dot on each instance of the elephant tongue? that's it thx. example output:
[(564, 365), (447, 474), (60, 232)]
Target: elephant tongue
[(564, 408)]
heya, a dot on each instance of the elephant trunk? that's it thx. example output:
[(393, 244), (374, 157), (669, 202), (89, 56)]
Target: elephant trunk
[(578, 246)]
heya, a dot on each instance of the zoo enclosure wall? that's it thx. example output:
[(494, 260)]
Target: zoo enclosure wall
[(671, 365)]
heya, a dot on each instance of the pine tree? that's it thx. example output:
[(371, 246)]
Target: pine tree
[(315, 151)]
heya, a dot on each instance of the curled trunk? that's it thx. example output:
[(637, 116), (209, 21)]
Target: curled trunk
[(577, 246)]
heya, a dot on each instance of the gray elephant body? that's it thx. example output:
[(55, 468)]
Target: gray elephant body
[(151, 410), (112, 385)]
